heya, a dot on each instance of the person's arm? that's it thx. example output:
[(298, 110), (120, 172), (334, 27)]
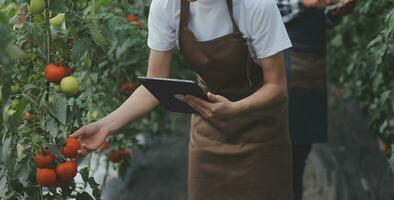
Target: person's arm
[(334, 13), (272, 92), (274, 89), (135, 107), (291, 9)]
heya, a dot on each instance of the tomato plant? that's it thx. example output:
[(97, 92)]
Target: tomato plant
[(90, 48), (361, 58)]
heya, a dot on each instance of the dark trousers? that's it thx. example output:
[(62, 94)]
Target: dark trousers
[(300, 154)]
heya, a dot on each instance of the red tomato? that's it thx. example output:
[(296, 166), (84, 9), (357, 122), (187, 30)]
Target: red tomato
[(66, 170), (132, 18), (54, 73), (117, 156), (70, 148), (383, 147), (28, 116), (43, 158), (46, 177), (127, 88)]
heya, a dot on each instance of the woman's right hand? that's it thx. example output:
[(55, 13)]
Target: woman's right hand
[(91, 136)]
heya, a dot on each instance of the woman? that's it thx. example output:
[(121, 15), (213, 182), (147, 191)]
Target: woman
[(239, 143)]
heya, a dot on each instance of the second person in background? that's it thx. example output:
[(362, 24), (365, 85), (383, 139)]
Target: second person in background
[(306, 22)]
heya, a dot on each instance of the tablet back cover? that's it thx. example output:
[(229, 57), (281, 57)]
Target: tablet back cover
[(165, 89)]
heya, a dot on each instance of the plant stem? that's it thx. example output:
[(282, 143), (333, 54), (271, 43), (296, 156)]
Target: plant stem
[(48, 41), (105, 175)]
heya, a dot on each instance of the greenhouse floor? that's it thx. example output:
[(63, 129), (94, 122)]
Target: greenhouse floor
[(349, 167)]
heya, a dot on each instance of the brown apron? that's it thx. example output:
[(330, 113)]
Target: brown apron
[(245, 158)]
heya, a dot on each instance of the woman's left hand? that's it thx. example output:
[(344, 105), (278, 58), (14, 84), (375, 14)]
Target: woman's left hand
[(218, 107)]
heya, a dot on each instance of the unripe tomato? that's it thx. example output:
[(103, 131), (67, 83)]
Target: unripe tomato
[(132, 18), (36, 6), (15, 89), (14, 103), (43, 158), (69, 86), (70, 148), (92, 115), (46, 177), (57, 20), (66, 170), (54, 73)]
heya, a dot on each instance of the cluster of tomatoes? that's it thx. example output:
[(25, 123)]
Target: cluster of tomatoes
[(52, 174), (69, 85)]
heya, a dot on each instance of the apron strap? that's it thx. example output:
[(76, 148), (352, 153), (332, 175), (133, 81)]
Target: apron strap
[(185, 14), (230, 10)]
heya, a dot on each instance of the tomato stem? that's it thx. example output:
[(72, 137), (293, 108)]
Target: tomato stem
[(48, 42)]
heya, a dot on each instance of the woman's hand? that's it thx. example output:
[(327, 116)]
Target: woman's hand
[(91, 137), (218, 107)]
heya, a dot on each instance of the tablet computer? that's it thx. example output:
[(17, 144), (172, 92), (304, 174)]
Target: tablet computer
[(164, 90)]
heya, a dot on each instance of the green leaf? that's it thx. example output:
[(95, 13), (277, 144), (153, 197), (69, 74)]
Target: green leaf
[(79, 50), (84, 196), (97, 35), (59, 109), (57, 6), (385, 95), (95, 186), (84, 174)]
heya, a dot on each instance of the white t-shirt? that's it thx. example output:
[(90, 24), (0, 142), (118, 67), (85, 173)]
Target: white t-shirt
[(258, 20)]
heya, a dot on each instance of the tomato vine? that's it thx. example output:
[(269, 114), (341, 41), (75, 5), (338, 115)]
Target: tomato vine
[(103, 50), (361, 61)]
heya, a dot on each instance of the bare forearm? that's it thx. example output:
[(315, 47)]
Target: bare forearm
[(140, 103), (274, 89), (265, 97)]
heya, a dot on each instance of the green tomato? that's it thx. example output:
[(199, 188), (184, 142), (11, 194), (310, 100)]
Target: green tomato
[(15, 89), (14, 52), (58, 20), (36, 6), (10, 112), (92, 115), (69, 85), (14, 103)]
